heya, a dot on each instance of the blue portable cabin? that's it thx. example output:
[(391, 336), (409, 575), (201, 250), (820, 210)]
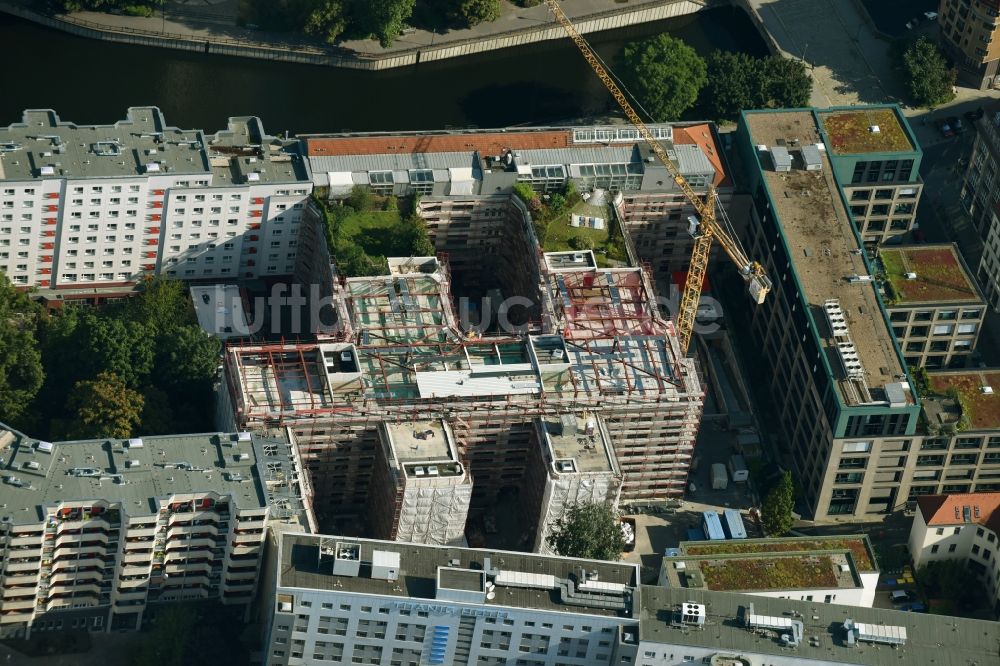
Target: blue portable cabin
[(732, 523), (713, 526)]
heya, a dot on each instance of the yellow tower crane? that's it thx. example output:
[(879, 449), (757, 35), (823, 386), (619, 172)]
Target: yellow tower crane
[(704, 227)]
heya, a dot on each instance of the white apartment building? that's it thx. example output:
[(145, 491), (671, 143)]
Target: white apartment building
[(93, 531), (340, 600), (964, 527), (98, 207)]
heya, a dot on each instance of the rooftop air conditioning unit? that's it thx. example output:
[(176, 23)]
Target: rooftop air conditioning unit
[(346, 356), (874, 129), (988, 390), (911, 276)]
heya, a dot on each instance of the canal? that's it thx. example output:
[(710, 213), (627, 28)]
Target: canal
[(88, 81)]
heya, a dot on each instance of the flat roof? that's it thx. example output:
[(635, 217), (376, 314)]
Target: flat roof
[(826, 254), (567, 440), (420, 441), (756, 572), (137, 472), (122, 149), (859, 546), (850, 131), (220, 311), (537, 588), (941, 275), (932, 640), (982, 410), (43, 146)]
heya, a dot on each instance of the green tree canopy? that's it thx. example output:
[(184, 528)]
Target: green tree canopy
[(105, 407), (737, 81), (327, 21), (776, 511), (665, 74), (949, 579), (591, 531), (383, 19), (162, 305), (187, 357), (926, 74), (122, 347), (474, 12), (21, 373)]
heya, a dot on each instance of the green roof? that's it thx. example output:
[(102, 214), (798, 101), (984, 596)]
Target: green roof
[(981, 409), (850, 131), (858, 546), (940, 275)]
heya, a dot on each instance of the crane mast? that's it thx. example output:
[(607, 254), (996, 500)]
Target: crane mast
[(704, 227)]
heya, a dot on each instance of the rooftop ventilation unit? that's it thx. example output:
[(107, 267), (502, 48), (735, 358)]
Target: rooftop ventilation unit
[(988, 390), (565, 465), (134, 443), (44, 447), (911, 276), (874, 633), (346, 559), (432, 470), (693, 613), (385, 565), (874, 129)]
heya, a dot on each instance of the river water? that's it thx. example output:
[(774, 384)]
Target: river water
[(89, 81)]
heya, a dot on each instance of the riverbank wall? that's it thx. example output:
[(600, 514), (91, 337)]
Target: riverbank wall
[(618, 17)]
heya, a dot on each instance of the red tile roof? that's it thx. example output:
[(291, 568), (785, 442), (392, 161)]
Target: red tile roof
[(943, 509), (487, 143), (701, 136)]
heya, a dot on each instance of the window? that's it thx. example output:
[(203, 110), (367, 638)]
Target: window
[(856, 447), (934, 549)]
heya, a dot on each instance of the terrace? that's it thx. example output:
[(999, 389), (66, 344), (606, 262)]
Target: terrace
[(959, 398), (850, 132), (926, 274)]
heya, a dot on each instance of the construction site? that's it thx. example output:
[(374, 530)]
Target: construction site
[(413, 426)]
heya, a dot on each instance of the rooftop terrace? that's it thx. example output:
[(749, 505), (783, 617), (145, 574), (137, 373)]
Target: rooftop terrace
[(578, 444), (940, 275), (522, 580), (931, 640), (139, 472), (828, 259), (981, 410), (851, 132)]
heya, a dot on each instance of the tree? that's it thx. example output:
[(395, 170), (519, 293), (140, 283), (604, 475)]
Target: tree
[(21, 373), (737, 81), (105, 407), (124, 348), (327, 21), (384, 19), (788, 84), (161, 305), (776, 512), (413, 237), (949, 579), (474, 12), (927, 76), (591, 531), (665, 74), (188, 357)]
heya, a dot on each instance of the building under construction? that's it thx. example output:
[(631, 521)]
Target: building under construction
[(403, 389)]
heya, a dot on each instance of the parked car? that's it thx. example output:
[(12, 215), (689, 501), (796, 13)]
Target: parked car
[(956, 124), (930, 15), (914, 608), (900, 596), (945, 129)]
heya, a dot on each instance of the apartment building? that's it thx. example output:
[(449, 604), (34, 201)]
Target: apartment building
[(94, 531), (834, 570), (988, 275), (981, 184), (348, 600), (934, 305), (402, 356), (875, 159), (968, 35), (98, 207), (962, 527), (453, 170), (837, 378)]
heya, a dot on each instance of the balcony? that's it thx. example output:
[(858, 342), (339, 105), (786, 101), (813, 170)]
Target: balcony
[(192, 516), (73, 565), (174, 569), (138, 594), (21, 591), (21, 566), (241, 575), (188, 546), (70, 539), (69, 551), (85, 522), (27, 540), (75, 576), (24, 579), (24, 604), (138, 558), (140, 532), (181, 530), (66, 602), (13, 616)]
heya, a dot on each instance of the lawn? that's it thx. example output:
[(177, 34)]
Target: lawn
[(770, 573), (940, 276), (857, 547), (981, 409), (373, 231), (850, 133), (558, 235)]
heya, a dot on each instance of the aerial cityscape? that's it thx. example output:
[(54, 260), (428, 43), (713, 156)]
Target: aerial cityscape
[(500, 332)]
